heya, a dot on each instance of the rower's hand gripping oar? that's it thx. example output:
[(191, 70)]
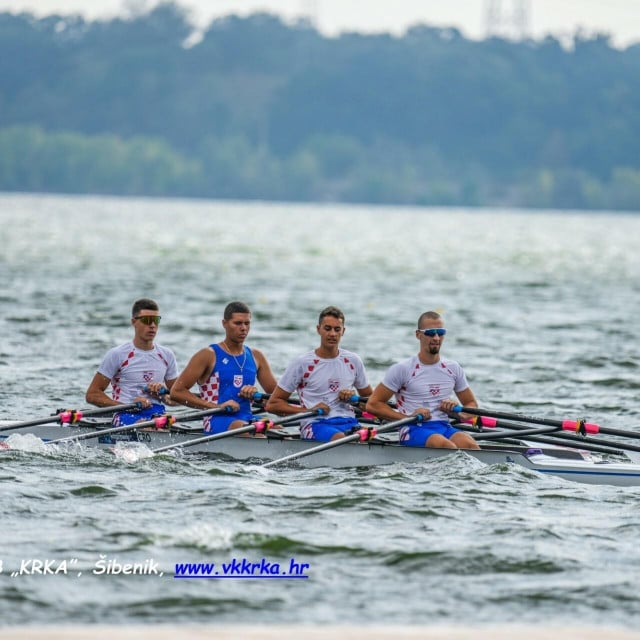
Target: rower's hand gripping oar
[(259, 426), (365, 434), (160, 422), (72, 416)]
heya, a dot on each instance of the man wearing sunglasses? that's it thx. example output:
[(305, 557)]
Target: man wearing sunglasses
[(424, 384), (138, 371)]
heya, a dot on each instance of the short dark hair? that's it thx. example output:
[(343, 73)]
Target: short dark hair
[(144, 303), (332, 311), (235, 307), (428, 315)]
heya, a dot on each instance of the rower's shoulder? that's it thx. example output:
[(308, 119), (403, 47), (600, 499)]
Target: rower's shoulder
[(165, 350), (257, 354), (347, 353), (206, 354), (123, 348), (449, 362)]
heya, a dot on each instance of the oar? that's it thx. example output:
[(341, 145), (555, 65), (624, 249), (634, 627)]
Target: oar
[(578, 442), (508, 434), (577, 426), (356, 399), (364, 435), (258, 396), (71, 416), (159, 422), (258, 427), (556, 440)]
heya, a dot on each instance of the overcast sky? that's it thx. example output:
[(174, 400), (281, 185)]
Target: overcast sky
[(620, 18)]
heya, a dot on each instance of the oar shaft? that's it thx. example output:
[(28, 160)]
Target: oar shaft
[(567, 425), (71, 416), (576, 440), (486, 435), (308, 452), (587, 445), (363, 434), (159, 422), (258, 425), (214, 436)]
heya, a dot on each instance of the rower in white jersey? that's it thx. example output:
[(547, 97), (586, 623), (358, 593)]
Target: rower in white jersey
[(424, 385), (326, 378), (138, 371)]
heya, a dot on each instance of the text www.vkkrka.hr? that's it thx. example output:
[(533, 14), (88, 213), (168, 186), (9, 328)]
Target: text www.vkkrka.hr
[(243, 568)]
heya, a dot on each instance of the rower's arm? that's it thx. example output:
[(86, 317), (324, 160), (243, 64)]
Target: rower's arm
[(365, 392), (279, 404), (163, 394), (466, 398), (378, 404), (198, 368), (96, 392), (265, 376)]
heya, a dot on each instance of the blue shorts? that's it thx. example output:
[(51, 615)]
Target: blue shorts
[(417, 435), (325, 428), (131, 417), (221, 423)]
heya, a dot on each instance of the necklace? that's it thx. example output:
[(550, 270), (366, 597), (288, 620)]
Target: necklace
[(244, 360)]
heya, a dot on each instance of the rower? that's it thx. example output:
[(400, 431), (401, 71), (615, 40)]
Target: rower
[(226, 373), (139, 371), (424, 384), (324, 379)]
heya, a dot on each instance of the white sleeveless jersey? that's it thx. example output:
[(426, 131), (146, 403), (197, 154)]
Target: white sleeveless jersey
[(418, 385), (130, 369)]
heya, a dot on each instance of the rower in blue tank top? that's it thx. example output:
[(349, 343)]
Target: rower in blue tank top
[(229, 375), (226, 373)]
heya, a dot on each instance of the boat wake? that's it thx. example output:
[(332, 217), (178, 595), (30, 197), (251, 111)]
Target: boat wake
[(131, 452), (26, 442)]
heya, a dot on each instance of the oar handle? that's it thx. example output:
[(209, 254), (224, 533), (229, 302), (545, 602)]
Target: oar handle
[(356, 399), (578, 426), (163, 391), (258, 395)]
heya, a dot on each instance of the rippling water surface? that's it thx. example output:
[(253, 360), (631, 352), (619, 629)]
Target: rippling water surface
[(542, 310)]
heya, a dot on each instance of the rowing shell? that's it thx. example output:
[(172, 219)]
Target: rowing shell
[(568, 464)]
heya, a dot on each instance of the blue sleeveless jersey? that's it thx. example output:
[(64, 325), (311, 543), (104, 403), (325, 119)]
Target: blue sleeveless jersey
[(229, 375)]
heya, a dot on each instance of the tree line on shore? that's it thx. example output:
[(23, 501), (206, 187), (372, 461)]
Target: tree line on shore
[(255, 108)]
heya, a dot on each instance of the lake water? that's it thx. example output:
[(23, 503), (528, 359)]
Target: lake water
[(542, 311)]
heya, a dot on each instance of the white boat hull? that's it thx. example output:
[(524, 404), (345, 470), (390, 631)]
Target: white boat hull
[(569, 465)]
